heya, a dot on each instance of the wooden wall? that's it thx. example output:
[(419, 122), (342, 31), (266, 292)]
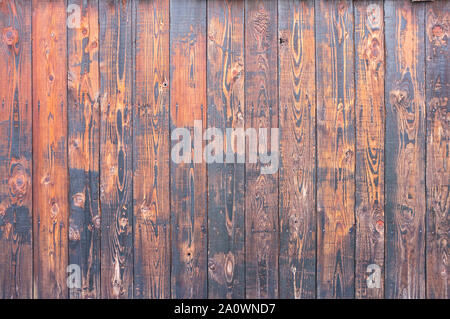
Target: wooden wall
[(91, 91)]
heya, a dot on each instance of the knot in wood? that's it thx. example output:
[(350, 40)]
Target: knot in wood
[(10, 36)]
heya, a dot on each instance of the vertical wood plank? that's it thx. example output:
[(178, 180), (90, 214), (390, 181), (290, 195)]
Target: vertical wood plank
[(188, 180), (83, 143), (89, 73), (297, 124), (116, 67), (226, 251), (16, 256), (151, 152), (369, 175), (405, 149), (438, 145), (261, 111), (50, 169), (336, 149)]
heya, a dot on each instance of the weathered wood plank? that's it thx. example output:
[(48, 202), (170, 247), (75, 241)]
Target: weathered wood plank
[(69, 127), (261, 111), (336, 149), (83, 143), (188, 178), (225, 78), (405, 149), (50, 169), (438, 145), (297, 94), (151, 152), (116, 65), (16, 256), (369, 175)]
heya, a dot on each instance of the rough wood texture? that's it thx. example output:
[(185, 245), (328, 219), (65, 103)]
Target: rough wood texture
[(336, 149), (261, 111), (297, 145), (50, 170), (226, 254), (405, 149), (151, 152), (91, 92), (188, 180), (16, 255), (116, 68), (369, 175), (83, 143), (438, 145)]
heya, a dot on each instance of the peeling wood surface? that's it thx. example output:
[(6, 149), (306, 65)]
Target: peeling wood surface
[(92, 204)]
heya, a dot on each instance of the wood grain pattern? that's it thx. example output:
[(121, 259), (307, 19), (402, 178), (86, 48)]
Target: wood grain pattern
[(336, 149), (188, 180), (369, 175), (405, 149), (83, 146), (261, 111), (91, 95), (16, 255), (50, 169), (438, 145), (297, 124), (116, 68), (151, 152), (225, 78)]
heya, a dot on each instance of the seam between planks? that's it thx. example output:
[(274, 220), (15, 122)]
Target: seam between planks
[(425, 115), (315, 142), (355, 137)]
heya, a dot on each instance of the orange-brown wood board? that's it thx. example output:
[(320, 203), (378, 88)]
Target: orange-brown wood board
[(224, 149)]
